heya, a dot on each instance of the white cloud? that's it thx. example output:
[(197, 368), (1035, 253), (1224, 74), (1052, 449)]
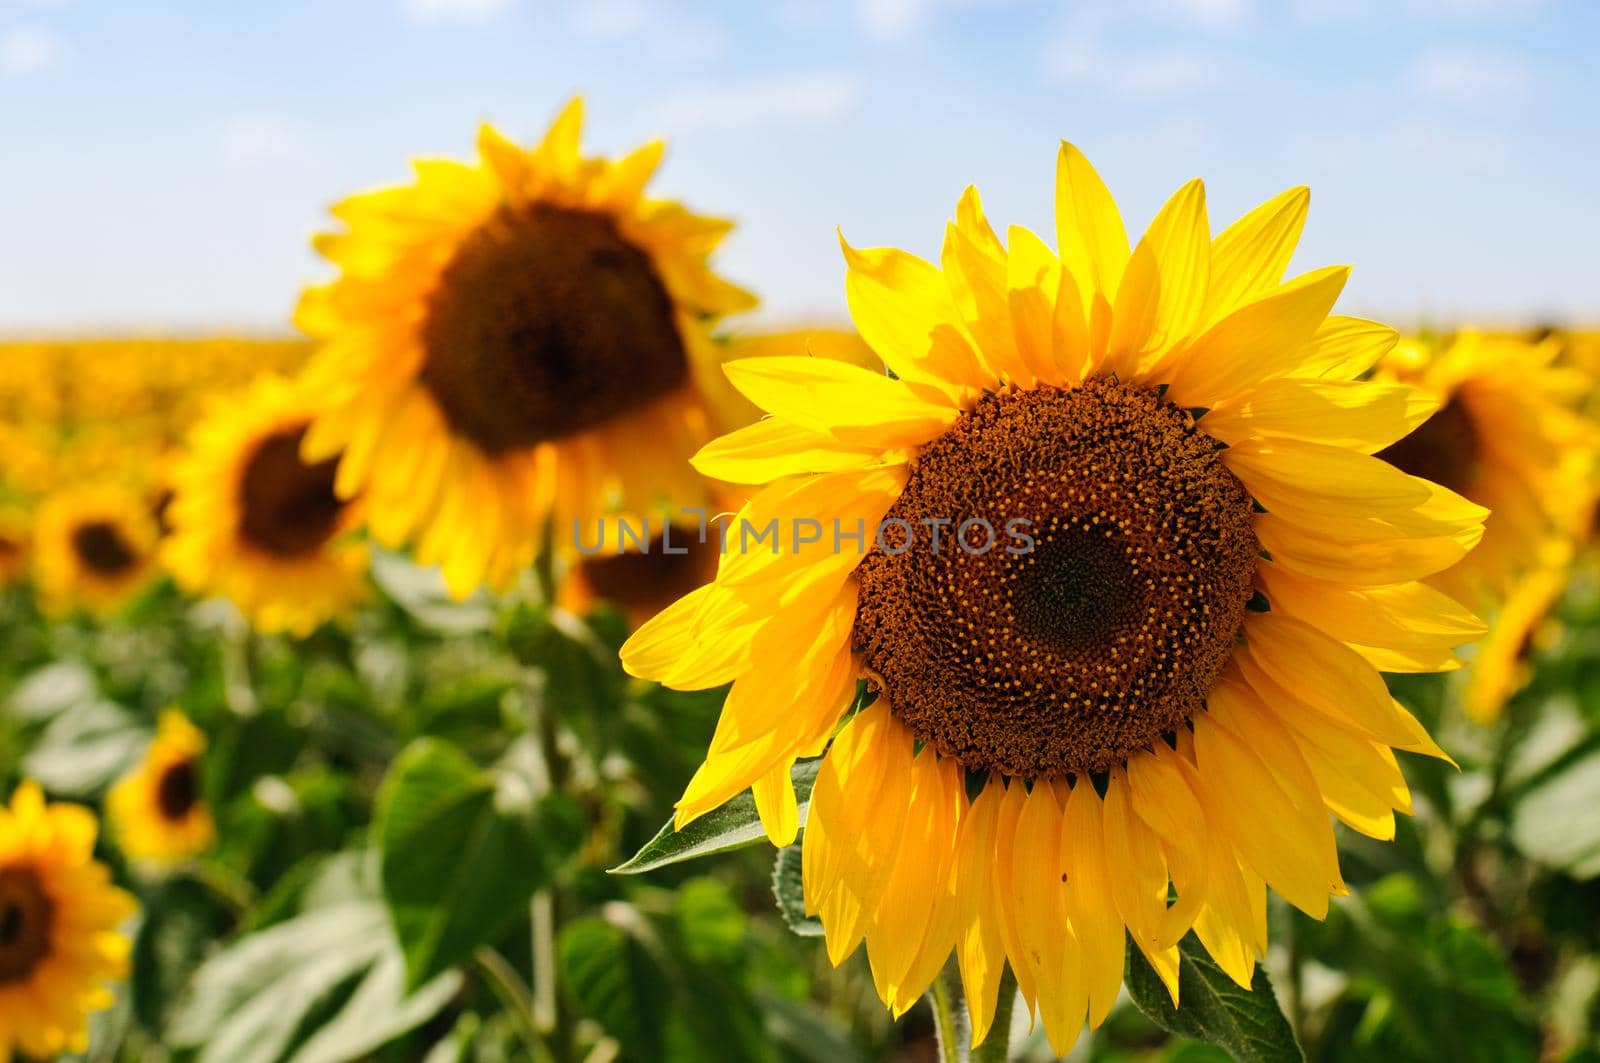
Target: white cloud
[(28, 50), (260, 138), (1154, 74), (455, 10), (800, 99), (1473, 77)]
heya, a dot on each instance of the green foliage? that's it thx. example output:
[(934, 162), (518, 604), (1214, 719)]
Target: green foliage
[(458, 854), (789, 891), (325, 985), (416, 814), (1212, 1007), (616, 982), (733, 826)]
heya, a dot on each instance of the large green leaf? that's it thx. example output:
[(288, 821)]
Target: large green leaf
[(458, 855), (86, 747), (1213, 1008), (711, 925), (616, 982), (1554, 821), (261, 999), (51, 690), (377, 1012), (733, 826)]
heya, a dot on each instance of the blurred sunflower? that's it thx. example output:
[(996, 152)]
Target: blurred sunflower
[(93, 548), (1505, 435), (1162, 679), (157, 811), (59, 914), (515, 341), (255, 522)]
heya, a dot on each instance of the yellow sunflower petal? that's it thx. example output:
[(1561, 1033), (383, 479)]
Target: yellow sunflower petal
[(1250, 256), (1356, 415), (1089, 231), (773, 448), (901, 305), (841, 400), (1257, 341)]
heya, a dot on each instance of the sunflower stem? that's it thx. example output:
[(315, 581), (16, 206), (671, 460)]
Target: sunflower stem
[(513, 995), (541, 911), (996, 1048), (949, 1016)]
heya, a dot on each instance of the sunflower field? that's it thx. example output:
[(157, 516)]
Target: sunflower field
[(1094, 646)]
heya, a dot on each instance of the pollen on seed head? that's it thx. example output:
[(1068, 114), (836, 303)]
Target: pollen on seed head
[(1075, 654)]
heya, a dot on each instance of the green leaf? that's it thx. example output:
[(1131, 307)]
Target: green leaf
[(323, 986), (181, 918), (457, 854), (421, 593), (788, 890), (247, 1003), (378, 1012), (1213, 1008), (711, 925), (732, 826), (86, 748), (51, 690), (616, 982), (805, 1032), (1554, 821)]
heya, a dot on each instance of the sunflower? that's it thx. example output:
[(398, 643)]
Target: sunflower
[(255, 522), (93, 547), (1506, 436), (157, 811), (1114, 570), (514, 342), (59, 914)]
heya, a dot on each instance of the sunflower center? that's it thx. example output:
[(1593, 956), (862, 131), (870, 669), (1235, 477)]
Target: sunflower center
[(636, 579), (103, 548), (288, 508), (26, 916), (178, 790), (1122, 560), (1444, 448), (547, 323)]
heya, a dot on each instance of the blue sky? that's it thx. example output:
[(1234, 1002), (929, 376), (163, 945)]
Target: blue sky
[(164, 163)]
